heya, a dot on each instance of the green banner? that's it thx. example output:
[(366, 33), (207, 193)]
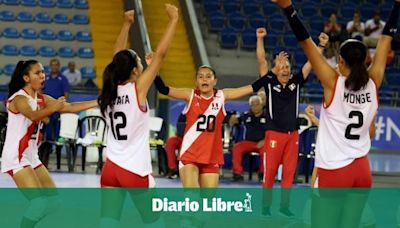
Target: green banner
[(171, 207)]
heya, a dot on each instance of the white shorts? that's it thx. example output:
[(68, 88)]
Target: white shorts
[(10, 159)]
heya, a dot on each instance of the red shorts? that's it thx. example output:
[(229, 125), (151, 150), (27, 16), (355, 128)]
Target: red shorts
[(115, 176), (14, 171), (355, 175), (203, 168)]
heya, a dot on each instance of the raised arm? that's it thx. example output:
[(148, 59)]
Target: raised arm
[(260, 52), (122, 39), (377, 69), (323, 42), (235, 93), (146, 79), (20, 104), (71, 107)]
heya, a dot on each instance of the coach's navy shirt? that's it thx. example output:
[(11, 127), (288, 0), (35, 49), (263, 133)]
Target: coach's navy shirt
[(282, 102), (254, 127), (56, 87)]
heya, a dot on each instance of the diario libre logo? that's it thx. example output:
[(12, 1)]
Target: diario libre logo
[(206, 205)]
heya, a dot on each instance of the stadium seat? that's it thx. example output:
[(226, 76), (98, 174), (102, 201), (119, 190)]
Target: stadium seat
[(61, 18), (250, 7), (65, 35), (328, 8), (256, 22), (28, 50), (43, 17), (46, 3), (237, 21), (84, 36), (81, 4), (28, 2), (47, 51), (66, 52), (309, 10), (300, 57), (11, 33), (367, 12), (8, 69), (88, 72), (47, 34), (277, 24), (86, 53), (25, 17), (211, 6), (10, 50), (230, 6), (7, 16), (63, 68), (228, 38), (67, 4), (11, 2), (46, 69), (216, 22), (80, 19), (270, 8), (270, 40), (249, 39), (29, 33)]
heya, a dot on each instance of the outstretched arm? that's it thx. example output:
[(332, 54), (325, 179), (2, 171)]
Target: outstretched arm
[(146, 79), (71, 107), (377, 68), (122, 39), (20, 104), (260, 52), (323, 42), (235, 93)]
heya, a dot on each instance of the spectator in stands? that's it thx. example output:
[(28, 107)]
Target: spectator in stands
[(356, 27), (56, 86), (173, 144), (74, 76), (333, 29), (254, 126), (373, 30), (281, 136)]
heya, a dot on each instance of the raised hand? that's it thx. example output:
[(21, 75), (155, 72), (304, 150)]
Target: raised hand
[(130, 16), (149, 58), (323, 39), (172, 11), (261, 32), (282, 3), (310, 112), (280, 60)]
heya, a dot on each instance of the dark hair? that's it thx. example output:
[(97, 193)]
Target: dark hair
[(354, 52), (116, 72), (17, 79), (208, 67)]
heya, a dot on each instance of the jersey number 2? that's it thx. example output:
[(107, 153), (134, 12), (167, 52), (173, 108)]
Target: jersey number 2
[(206, 123), (116, 129), (360, 122)]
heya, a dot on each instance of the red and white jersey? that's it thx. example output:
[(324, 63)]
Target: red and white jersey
[(22, 137), (202, 141), (128, 132), (343, 133)]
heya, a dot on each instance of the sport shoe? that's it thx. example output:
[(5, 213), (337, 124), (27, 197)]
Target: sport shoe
[(260, 177), (172, 174), (237, 177), (286, 212), (266, 212)]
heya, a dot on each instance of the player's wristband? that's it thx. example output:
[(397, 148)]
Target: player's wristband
[(161, 87), (297, 26), (391, 24)]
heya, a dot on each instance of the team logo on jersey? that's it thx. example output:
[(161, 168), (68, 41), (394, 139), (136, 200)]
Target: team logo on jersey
[(277, 88), (292, 86), (214, 106), (273, 143), (263, 120)]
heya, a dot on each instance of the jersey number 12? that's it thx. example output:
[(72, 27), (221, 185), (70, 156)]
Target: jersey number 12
[(117, 128)]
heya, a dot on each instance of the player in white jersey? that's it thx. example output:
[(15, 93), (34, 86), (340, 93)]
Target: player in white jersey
[(26, 108), (350, 103), (124, 105)]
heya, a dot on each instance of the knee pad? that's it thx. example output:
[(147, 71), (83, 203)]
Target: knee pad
[(36, 209)]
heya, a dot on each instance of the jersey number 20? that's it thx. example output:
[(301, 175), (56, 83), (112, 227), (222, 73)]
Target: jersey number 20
[(360, 122), (206, 123), (116, 129)]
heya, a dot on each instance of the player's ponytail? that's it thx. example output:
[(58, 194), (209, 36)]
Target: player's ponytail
[(117, 72), (354, 53), (17, 79)]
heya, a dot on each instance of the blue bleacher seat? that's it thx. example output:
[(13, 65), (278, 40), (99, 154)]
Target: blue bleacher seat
[(28, 2), (46, 3), (270, 8), (81, 4), (65, 35), (80, 19), (29, 33), (211, 6), (47, 34), (25, 17), (28, 50), (43, 17), (46, 69), (237, 21), (60, 18), (300, 57), (250, 7), (88, 72), (290, 41), (7, 16), (256, 22), (347, 12), (367, 12), (228, 38), (47, 51), (11, 2), (63, 68), (216, 22), (317, 24), (86, 53), (10, 32), (277, 24), (249, 39), (270, 40), (8, 69), (309, 11), (64, 4), (328, 9), (230, 7), (393, 80), (66, 52), (84, 36), (10, 50)]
